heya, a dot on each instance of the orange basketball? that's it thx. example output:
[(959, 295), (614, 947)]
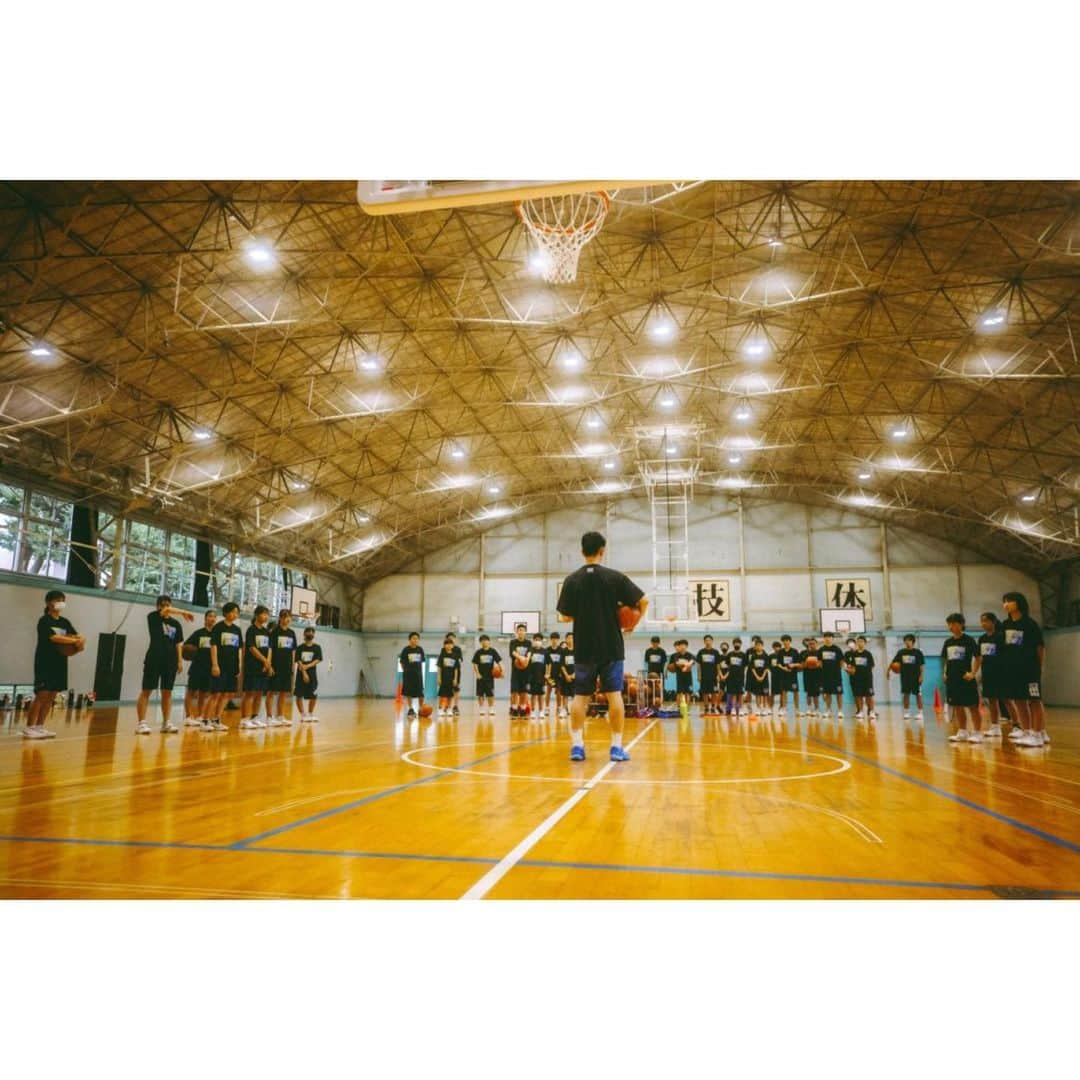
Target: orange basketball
[(496, 671), (812, 662), (894, 667), (69, 650), (190, 652), (521, 662), (629, 617), (426, 709)]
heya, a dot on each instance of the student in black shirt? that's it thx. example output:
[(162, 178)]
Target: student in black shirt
[(590, 598), (789, 660), (449, 677), (655, 662), (461, 663), (736, 678), (708, 662), (682, 665), (257, 669), (282, 663), (412, 660), (722, 674), (308, 658), (832, 679), (910, 663), (54, 632), (537, 667), (757, 664), (566, 668), (1023, 656), (164, 660), (960, 662), (553, 659), (484, 663), (199, 693), (861, 672), (991, 644), (226, 660), (520, 649), (777, 678)]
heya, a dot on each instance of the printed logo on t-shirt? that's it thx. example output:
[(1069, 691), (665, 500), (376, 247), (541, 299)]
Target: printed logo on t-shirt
[(830, 655), (568, 660), (653, 658), (205, 641), (708, 658), (449, 661), (170, 631), (485, 658), (955, 652), (413, 658), (261, 641), (1014, 637), (737, 661), (759, 662), (285, 642), (860, 661), (306, 656), (1033, 690), (909, 659), (230, 641), (988, 648)]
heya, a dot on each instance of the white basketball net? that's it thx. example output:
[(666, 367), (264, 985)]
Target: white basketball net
[(562, 226)]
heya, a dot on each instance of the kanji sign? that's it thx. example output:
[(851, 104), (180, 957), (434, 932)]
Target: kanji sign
[(710, 601), (848, 593)]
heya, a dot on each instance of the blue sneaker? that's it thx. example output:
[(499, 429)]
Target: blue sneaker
[(619, 754), (577, 753)]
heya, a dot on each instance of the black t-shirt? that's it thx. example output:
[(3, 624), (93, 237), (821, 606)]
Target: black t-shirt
[(831, 657), (776, 661), (590, 595), (1022, 639), (519, 649), (805, 655), (256, 637), (758, 663), (655, 659), (863, 663), (554, 658), (229, 642), (46, 654), (708, 663), (201, 639), (788, 658), (449, 666), (484, 661), (568, 659), (282, 648), (307, 654), (910, 660), (736, 662), (957, 654), (990, 650), (412, 661), (537, 662), (165, 635), (678, 659)]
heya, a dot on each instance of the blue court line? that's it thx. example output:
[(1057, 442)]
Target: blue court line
[(395, 856), (1068, 844), (239, 845)]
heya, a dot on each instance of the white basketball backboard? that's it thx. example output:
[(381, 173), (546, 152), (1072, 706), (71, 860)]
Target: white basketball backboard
[(846, 620)]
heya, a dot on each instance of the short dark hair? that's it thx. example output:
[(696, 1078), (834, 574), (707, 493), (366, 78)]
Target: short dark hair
[(163, 600), (785, 637), (956, 617), (654, 640), (1019, 599), (909, 637), (54, 594), (736, 641), (520, 626), (707, 637), (828, 633), (283, 612), (538, 635), (860, 638), (414, 634), (230, 607), (776, 644), (592, 543), (554, 633), (484, 637), (309, 630), (992, 617), (261, 609), (682, 641)]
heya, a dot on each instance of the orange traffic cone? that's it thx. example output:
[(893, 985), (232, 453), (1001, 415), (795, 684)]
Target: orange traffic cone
[(397, 698), (937, 699)]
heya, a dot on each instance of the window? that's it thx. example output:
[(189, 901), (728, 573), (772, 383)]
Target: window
[(258, 582), (43, 548), (180, 567), (11, 507), (144, 558), (108, 543), (221, 575)]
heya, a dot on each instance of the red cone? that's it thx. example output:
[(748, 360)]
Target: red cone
[(937, 699)]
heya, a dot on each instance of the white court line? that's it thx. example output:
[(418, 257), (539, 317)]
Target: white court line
[(512, 858)]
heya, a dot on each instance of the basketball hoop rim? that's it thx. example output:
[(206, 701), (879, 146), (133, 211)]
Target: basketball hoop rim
[(566, 230)]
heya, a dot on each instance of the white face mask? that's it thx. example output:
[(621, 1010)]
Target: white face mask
[(60, 605)]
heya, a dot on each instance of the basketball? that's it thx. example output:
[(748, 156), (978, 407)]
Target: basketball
[(69, 650), (894, 667), (629, 617), (813, 662), (685, 665), (190, 652), (426, 709), (497, 672), (521, 662)]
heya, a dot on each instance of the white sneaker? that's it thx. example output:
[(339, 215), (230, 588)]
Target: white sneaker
[(872, 716), (35, 732), (169, 728), (285, 721), (919, 715), (219, 726), (1030, 738), (143, 729), (976, 737), (249, 724), (313, 719), (193, 721), (960, 736), (207, 725), (860, 715), (46, 733), (1017, 734), (993, 731), (907, 716)]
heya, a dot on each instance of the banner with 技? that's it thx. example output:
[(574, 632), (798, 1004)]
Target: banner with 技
[(710, 601)]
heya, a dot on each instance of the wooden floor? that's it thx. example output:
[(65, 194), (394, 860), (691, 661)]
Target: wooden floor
[(365, 804)]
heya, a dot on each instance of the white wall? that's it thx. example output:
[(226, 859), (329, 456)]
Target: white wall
[(1061, 682), (94, 612)]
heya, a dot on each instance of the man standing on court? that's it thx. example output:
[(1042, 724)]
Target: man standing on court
[(589, 599)]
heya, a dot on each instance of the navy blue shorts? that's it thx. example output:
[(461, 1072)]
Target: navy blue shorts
[(610, 674)]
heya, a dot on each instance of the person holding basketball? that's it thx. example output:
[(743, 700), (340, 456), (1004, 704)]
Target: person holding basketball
[(56, 640), (590, 598)]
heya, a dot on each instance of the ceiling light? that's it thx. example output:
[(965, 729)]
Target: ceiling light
[(202, 434), (369, 363), (756, 348), (260, 254), (595, 449), (457, 453), (668, 402), (609, 464), (539, 261), (992, 319), (743, 413), (662, 330), (494, 490), (734, 459), (609, 487), (1028, 498), (864, 476), (363, 519), (672, 449), (41, 350), (733, 482), (593, 422), (299, 486), (741, 442), (899, 433), (572, 359), (774, 242)]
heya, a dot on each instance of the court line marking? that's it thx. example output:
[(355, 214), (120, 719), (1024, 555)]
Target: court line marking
[(247, 841), (1043, 835), (170, 891), (864, 832), (540, 863), (465, 770), (482, 887)]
